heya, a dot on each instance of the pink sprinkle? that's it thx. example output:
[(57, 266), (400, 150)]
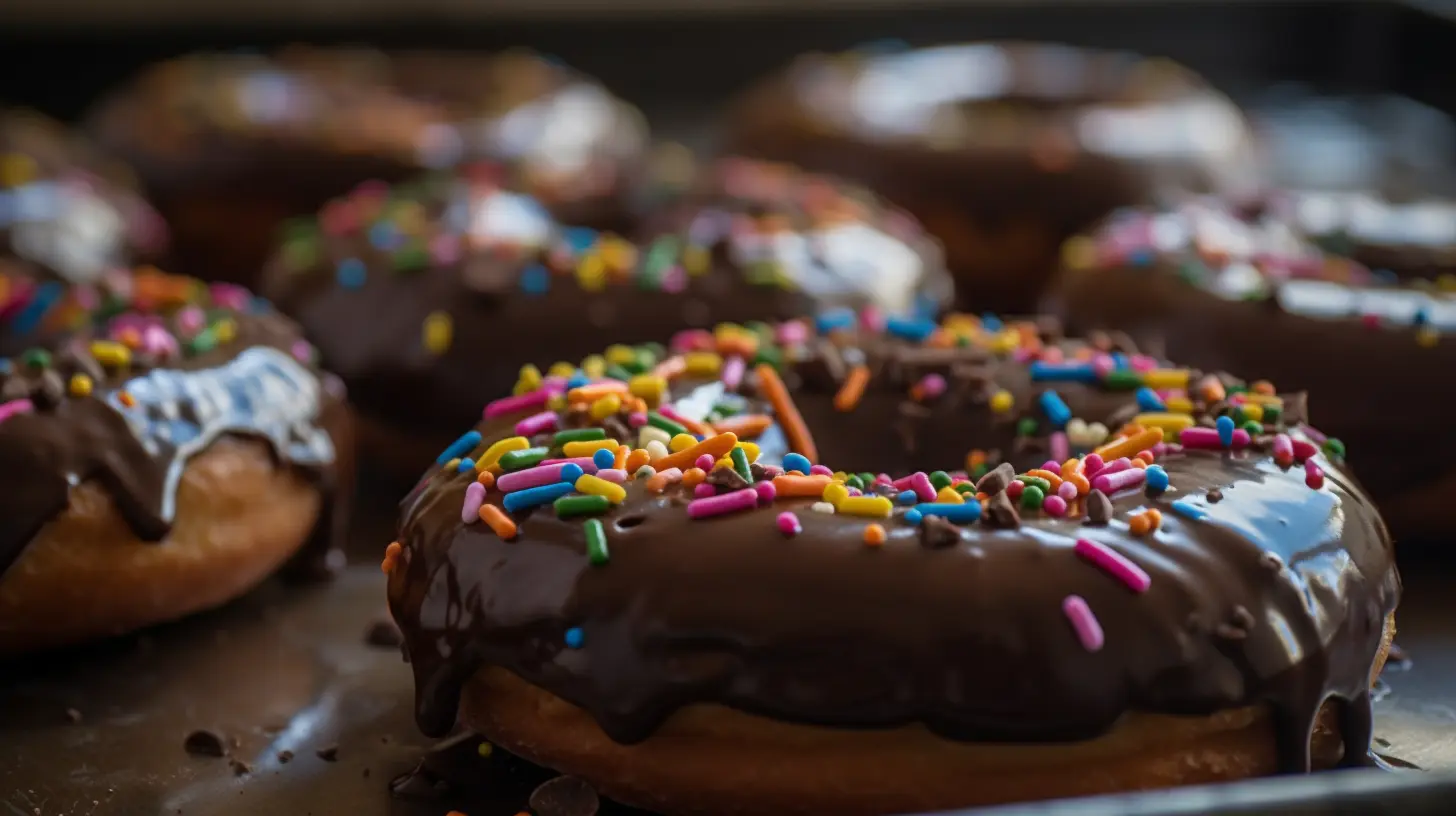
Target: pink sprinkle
[(737, 501), (1283, 450), (191, 320), (732, 373), (1115, 466), (703, 490), (791, 333), (770, 471), (932, 386), (1303, 449), (474, 497), (705, 462), (1052, 354), (1055, 505), (1103, 364), (918, 482), (1207, 439), (1315, 435), (511, 405), (554, 385), (1142, 362), (884, 479), (674, 280), (1061, 448), (586, 463), (1092, 464), (766, 492), (13, 407), (157, 340), (637, 419), (229, 296), (691, 340), (530, 477), (445, 248), (302, 351), (672, 414), (1052, 465), (1147, 456), (820, 470), (1160, 448), (538, 423), (789, 524), (1084, 623), (1023, 355), (1111, 483), (1067, 491), (1114, 563), (872, 318), (612, 475), (671, 475), (854, 491), (1013, 490), (1313, 475)]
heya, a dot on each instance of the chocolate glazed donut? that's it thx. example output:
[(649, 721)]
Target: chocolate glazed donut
[(1003, 150), (427, 298), (700, 623), (166, 452), (231, 145), (1246, 291)]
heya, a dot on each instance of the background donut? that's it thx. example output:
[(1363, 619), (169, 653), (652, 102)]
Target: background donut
[(1002, 149)]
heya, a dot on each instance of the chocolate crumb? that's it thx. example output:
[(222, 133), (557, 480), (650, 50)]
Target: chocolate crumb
[(240, 768), (565, 796), (996, 481), (384, 634), (1215, 496), (936, 533), (1099, 508), (328, 753), (727, 478), (1000, 513), (758, 472), (285, 756), (204, 743), (73, 715)]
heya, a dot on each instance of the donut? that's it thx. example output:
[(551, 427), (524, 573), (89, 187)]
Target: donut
[(67, 213), (1232, 289), (1411, 239), (175, 445), (1002, 149), (231, 145), (1119, 588), (426, 298)]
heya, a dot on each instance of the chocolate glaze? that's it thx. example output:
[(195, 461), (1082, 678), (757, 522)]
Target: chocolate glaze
[(66, 420), (1002, 149), (1250, 294), (508, 276), (1272, 593)]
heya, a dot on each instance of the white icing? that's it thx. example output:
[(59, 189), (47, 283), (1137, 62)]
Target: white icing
[(1199, 127), (262, 392), (841, 263), (495, 216), (561, 132), (1326, 299), (64, 227), (900, 94)]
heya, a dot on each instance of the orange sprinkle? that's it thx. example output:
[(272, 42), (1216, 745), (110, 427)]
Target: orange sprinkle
[(391, 557), (1139, 463), (1083, 485), (1263, 387), (595, 391), (126, 398), (1053, 479), (874, 535), (486, 478), (738, 346), (1129, 445), (795, 431), (454, 813), (1156, 516), (692, 477), (1071, 466), (792, 486), (657, 484), (1139, 525), (745, 426), (671, 368), (853, 389), (694, 427), (619, 459), (634, 405), (636, 459), (715, 446), (1212, 390), (975, 459), (982, 497), (498, 521)]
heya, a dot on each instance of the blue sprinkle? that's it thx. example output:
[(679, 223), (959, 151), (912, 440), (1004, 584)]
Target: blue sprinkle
[(1055, 409), (536, 496), (459, 447), (1225, 426), (351, 273), (991, 322), (579, 239), (1156, 478), (45, 296), (535, 280), (1385, 276), (575, 637), (1147, 400), (571, 471), (259, 305), (959, 513), (604, 459), (1140, 257), (1121, 360), (926, 306), (796, 462), (1063, 372), (831, 319), (466, 465), (883, 46), (907, 497), (1421, 318), (383, 236), (915, 329), (1188, 511), (6, 366), (913, 516), (578, 380)]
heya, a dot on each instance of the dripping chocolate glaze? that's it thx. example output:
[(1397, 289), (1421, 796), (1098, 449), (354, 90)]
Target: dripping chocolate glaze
[(57, 439), (1276, 596)]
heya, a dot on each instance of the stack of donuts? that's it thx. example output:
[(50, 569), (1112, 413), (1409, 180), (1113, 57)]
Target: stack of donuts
[(721, 485)]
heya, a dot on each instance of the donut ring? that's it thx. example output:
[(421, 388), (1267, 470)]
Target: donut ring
[(230, 145), (1002, 149), (1247, 291), (422, 328), (681, 618), (173, 447)]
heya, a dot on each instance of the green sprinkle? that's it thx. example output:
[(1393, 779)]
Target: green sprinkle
[(769, 354), (596, 543), (724, 409), (1272, 414), (979, 470), (618, 372), (657, 350), (740, 463), (940, 480), (1036, 481), (762, 273), (1122, 380), (1026, 427), (1253, 428), (36, 358), (1334, 448), (867, 480), (572, 506), (1031, 497), (577, 435), (206, 340), (854, 481), (530, 457), (965, 488), (657, 420), (411, 258)]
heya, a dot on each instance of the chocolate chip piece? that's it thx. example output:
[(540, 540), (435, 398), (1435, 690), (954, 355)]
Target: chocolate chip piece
[(240, 768), (1099, 508), (565, 796), (328, 753), (617, 428), (73, 715), (727, 478), (996, 481), (1000, 514), (384, 634), (204, 743), (1243, 618), (936, 533), (1215, 496), (49, 390), (285, 756)]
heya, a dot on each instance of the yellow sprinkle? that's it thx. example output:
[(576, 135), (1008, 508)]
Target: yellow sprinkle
[(948, 495), (702, 363), (1254, 411), (1079, 253), (529, 379), (649, 387), (681, 442), (606, 406), (1446, 282), (591, 272), (650, 434), (452, 464), (594, 366), (556, 402), (1164, 421), (1166, 378), (225, 330), (1264, 399), (749, 449), (695, 259), (835, 492), (561, 368), (1006, 342), (619, 254), (439, 331), (110, 353), (1179, 405), (485, 749), (839, 476), (80, 385), (492, 454), (1427, 337), (17, 169), (594, 486), (587, 448), (867, 506), (1002, 402), (620, 354)]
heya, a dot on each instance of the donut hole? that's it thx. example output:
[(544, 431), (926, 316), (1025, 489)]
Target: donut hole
[(628, 522)]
